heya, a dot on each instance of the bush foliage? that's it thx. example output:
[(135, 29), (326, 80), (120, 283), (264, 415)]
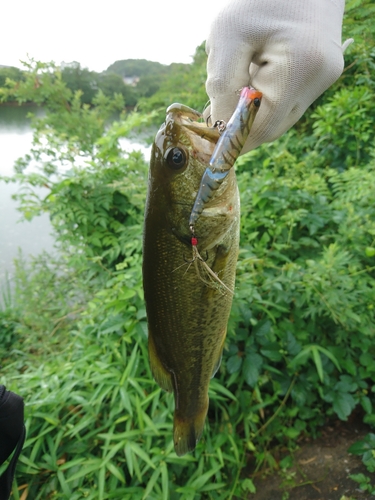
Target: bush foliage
[(300, 345)]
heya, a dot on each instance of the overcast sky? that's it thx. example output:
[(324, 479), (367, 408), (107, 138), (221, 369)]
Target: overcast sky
[(97, 33)]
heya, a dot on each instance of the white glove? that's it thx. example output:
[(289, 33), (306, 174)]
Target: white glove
[(290, 50)]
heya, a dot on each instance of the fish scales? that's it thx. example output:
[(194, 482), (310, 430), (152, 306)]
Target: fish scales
[(187, 309)]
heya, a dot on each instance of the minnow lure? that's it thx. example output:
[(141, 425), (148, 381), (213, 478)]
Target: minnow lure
[(227, 149)]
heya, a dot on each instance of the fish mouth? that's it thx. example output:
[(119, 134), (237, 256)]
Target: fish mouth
[(198, 131)]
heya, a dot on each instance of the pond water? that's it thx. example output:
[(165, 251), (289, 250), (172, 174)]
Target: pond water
[(34, 236), (30, 237)]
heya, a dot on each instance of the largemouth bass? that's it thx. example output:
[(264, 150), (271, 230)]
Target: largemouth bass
[(189, 272)]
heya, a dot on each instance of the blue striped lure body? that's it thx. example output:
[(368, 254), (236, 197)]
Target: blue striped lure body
[(227, 150)]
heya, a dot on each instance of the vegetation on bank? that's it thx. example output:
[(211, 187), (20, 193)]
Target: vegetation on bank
[(300, 346), (133, 79)]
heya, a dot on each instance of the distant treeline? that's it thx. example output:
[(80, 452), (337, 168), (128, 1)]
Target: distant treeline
[(134, 79)]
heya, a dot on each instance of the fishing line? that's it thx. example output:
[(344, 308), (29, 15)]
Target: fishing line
[(198, 258)]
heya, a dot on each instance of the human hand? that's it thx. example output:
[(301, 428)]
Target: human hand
[(290, 50)]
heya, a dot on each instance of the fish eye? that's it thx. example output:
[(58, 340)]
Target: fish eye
[(176, 158), (257, 102)]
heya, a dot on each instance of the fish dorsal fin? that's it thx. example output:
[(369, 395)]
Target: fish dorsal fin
[(162, 376)]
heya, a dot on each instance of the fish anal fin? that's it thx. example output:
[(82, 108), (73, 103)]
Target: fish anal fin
[(162, 376), (188, 430)]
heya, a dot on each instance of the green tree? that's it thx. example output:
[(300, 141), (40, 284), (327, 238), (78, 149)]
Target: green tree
[(111, 84), (136, 67), (185, 82), (9, 72), (81, 79)]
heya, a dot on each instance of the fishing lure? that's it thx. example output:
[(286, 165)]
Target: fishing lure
[(227, 150)]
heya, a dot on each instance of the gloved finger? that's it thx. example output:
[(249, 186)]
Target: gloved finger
[(264, 71), (247, 58), (228, 71), (289, 54), (290, 79)]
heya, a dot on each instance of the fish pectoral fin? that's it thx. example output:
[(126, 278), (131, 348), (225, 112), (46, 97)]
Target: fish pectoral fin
[(188, 430), (162, 376)]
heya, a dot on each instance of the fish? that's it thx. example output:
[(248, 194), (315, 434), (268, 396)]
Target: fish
[(189, 273)]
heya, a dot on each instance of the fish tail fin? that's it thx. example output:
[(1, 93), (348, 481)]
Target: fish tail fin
[(162, 376), (187, 431)]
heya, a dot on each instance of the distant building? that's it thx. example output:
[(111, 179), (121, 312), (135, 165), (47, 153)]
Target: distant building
[(131, 80)]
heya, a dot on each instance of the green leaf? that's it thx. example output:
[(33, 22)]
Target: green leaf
[(141, 453), (366, 404), (234, 363), (116, 471), (64, 485), (85, 469), (151, 483), (200, 481), (217, 388), (314, 351), (343, 404), (262, 328), (251, 366), (248, 485), (359, 478), (271, 350), (366, 359), (346, 384), (318, 362), (330, 356), (363, 445), (164, 480)]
